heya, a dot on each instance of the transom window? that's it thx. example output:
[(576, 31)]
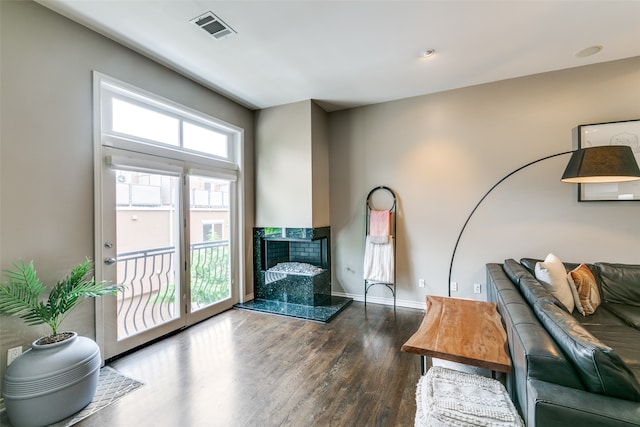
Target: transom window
[(130, 115)]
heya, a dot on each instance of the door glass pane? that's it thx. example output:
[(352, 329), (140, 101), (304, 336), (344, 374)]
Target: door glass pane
[(209, 220), (205, 140), (148, 250)]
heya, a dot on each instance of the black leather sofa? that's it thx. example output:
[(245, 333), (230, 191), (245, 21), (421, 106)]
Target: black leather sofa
[(568, 369)]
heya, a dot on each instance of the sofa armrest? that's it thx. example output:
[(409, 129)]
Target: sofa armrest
[(552, 405)]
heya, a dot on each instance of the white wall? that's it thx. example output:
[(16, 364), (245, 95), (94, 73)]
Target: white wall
[(442, 152), (46, 152)]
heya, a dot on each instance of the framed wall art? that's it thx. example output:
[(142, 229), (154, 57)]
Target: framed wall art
[(612, 133)]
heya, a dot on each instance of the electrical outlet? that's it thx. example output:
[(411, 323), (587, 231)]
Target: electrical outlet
[(421, 283), (453, 286), (477, 288), (13, 354)]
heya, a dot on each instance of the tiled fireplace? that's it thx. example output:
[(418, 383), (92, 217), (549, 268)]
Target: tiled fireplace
[(292, 273)]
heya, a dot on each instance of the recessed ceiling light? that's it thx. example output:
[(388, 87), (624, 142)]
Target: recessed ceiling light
[(588, 51), (427, 53)]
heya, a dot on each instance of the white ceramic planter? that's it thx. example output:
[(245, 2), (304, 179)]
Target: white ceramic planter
[(51, 382)]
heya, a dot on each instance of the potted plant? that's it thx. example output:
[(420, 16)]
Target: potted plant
[(59, 374)]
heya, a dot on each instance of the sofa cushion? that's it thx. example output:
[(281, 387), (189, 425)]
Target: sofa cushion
[(630, 314), (534, 353), (625, 340), (600, 368), (530, 288), (602, 316), (530, 264), (553, 275), (620, 283), (587, 295)]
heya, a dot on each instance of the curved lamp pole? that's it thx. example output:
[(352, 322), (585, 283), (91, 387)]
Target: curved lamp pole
[(609, 163), (455, 248)]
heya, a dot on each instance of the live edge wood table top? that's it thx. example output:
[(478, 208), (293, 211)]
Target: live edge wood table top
[(462, 331)]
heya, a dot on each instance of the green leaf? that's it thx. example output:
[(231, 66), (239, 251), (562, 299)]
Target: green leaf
[(21, 295)]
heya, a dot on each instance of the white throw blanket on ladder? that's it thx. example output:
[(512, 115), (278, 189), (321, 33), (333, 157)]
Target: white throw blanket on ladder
[(378, 259)]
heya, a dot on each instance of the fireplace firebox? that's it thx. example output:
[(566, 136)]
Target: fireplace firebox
[(292, 273), (292, 265)]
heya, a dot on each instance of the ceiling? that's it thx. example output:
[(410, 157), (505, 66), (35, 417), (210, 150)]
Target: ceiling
[(352, 53)]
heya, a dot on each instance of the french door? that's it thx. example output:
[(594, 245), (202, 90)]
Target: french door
[(167, 233)]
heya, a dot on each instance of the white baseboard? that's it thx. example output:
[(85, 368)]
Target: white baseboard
[(383, 301)]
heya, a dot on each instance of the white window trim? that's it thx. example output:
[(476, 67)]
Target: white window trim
[(108, 87)]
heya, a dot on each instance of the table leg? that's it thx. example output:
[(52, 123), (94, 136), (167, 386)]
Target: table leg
[(424, 364), (500, 376)]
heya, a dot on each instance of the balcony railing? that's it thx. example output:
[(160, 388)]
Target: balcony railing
[(150, 297)]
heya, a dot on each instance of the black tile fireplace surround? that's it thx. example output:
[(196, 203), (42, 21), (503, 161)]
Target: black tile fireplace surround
[(292, 273)]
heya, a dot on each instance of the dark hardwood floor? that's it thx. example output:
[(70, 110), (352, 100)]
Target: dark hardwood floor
[(245, 368)]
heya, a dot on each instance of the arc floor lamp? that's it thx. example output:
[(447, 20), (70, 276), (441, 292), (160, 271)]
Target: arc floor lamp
[(610, 163)]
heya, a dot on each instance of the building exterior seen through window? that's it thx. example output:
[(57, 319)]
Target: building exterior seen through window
[(145, 206)]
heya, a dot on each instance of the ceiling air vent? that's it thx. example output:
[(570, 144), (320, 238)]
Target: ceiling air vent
[(213, 25)]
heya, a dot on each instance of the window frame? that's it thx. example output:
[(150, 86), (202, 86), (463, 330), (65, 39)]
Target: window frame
[(110, 88), (121, 151)]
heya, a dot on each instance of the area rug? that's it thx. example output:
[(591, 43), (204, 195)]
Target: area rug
[(112, 386)]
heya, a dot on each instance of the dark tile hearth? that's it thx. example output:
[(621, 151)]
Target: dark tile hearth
[(292, 274), (323, 313)]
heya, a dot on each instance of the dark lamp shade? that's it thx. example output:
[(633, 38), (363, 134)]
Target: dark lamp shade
[(608, 163)]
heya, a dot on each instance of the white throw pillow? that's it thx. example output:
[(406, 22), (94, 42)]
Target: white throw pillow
[(553, 276)]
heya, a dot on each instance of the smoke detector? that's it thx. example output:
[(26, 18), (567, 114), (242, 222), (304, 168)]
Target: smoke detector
[(213, 25)]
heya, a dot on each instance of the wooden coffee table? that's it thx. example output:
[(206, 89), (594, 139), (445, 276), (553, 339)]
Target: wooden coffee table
[(462, 331)]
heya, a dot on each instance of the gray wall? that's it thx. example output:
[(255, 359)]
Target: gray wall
[(283, 166), (442, 152), (320, 166), (46, 152), (292, 166)]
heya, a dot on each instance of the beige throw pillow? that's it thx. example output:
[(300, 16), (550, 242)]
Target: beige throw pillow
[(588, 296), (553, 276)]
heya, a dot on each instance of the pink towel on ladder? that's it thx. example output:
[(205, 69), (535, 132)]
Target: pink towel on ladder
[(379, 223)]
